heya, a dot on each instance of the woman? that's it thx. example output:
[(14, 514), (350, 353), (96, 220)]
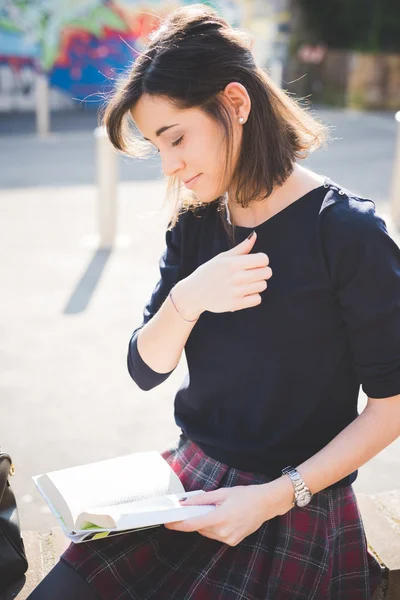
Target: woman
[(268, 410)]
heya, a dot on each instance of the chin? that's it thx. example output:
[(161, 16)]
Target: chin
[(208, 198), (202, 198)]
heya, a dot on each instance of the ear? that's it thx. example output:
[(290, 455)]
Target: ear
[(238, 99)]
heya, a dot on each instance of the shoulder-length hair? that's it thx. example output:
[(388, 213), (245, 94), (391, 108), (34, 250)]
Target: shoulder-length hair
[(190, 60)]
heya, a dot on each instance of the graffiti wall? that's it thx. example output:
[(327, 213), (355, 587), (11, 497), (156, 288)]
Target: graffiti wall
[(82, 45)]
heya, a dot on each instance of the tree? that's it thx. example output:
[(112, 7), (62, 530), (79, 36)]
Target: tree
[(361, 25)]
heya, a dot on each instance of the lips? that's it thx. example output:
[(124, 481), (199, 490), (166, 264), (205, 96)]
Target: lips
[(191, 179), (191, 183)]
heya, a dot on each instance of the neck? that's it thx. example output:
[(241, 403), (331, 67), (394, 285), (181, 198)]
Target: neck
[(299, 183)]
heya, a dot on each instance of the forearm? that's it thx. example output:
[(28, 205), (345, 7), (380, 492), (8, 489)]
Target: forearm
[(374, 429), (162, 340)]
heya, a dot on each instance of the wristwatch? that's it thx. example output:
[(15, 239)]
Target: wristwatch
[(302, 494)]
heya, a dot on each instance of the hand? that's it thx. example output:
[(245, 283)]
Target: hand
[(239, 511), (231, 281)]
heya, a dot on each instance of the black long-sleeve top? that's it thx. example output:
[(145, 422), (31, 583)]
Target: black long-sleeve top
[(269, 386)]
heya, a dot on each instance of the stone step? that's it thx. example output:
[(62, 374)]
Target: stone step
[(381, 517), (43, 552)]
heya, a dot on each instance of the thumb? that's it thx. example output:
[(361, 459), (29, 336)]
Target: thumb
[(245, 246), (205, 498)]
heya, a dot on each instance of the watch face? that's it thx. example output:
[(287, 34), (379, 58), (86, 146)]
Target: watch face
[(304, 500)]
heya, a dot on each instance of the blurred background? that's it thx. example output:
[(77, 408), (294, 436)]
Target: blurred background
[(82, 229)]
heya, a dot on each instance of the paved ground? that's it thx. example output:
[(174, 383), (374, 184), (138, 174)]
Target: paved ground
[(68, 309)]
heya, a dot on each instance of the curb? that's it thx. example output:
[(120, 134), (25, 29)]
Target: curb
[(43, 552)]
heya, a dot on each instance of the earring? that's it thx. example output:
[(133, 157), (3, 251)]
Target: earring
[(241, 120)]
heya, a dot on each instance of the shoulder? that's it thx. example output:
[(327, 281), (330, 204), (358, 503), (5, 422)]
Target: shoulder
[(354, 239), (345, 215)]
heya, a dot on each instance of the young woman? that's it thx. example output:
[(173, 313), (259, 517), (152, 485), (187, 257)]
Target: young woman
[(283, 289)]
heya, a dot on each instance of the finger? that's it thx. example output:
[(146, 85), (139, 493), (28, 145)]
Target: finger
[(254, 288), (252, 261), (244, 247), (248, 302), (209, 534), (206, 498), (253, 275), (194, 524)]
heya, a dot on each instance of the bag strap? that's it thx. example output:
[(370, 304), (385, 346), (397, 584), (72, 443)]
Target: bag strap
[(5, 455), (6, 469)]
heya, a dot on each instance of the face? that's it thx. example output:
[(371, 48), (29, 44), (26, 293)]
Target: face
[(191, 144)]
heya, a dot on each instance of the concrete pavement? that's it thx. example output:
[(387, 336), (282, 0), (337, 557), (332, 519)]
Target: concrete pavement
[(68, 310)]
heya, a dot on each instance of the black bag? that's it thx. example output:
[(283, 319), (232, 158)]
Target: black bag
[(13, 562)]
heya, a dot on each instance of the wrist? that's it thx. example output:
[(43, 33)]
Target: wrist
[(282, 491), (184, 300), (285, 487)]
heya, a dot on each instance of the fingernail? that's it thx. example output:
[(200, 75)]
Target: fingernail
[(251, 234), (183, 499)]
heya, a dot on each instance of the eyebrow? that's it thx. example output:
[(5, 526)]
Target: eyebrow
[(161, 130)]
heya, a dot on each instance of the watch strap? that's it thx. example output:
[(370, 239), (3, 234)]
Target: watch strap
[(300, 488)]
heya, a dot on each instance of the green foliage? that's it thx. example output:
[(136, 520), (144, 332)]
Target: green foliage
[(7, 25), (105, 16), (363, 25)]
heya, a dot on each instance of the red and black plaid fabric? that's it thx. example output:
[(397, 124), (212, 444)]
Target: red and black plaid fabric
[(312, 553)]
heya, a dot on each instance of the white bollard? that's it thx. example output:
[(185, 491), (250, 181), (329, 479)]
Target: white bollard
[(106, 175), (276, 72), (42, 105), (395, 192)]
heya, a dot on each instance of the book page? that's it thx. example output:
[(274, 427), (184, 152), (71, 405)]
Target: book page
[(153, 511), (120, 480), (66, 521), (110, 516)]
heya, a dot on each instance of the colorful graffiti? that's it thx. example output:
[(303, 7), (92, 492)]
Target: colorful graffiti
[(82, 45)]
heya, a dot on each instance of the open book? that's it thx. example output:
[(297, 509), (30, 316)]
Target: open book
[(116, 496)]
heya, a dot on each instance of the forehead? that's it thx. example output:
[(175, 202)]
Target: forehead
[(147, 106), (151, 113)]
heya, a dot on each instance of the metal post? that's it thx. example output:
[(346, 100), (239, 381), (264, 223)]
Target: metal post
[(42, 105), (396, 176), (276, 71), (106, 175)]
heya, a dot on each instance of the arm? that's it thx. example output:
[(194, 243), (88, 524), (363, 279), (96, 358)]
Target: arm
[(161, 341), (372, 431), (241, 510), (364, 266), (156, 346)]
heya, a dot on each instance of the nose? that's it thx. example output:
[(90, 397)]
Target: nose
[(171, 163)]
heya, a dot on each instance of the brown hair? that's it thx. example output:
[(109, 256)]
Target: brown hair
[(195, 39)]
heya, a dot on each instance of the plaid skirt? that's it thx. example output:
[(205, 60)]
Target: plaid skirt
[(317, 552)]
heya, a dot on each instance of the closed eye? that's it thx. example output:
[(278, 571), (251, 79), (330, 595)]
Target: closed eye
[(177, 141), (173, 144)]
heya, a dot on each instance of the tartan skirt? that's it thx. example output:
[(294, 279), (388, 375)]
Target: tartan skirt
[(316, 552)]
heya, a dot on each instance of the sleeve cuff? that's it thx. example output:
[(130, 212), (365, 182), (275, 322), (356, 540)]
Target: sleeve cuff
[(143, 375), (380, 389)]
